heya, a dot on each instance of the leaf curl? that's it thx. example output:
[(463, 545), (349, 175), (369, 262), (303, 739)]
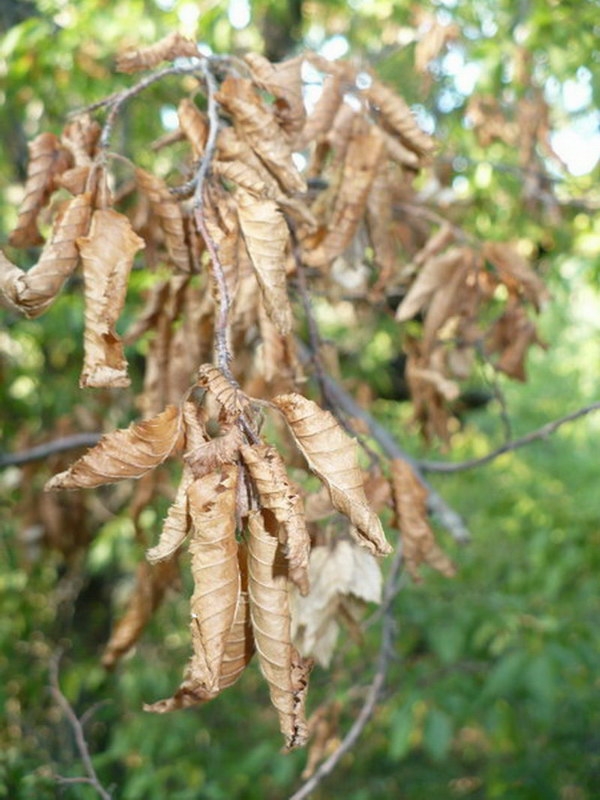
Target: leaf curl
[(332, 455), (285, 670), (125, 453)]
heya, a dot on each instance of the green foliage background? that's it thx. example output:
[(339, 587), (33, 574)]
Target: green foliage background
[(494, 689)]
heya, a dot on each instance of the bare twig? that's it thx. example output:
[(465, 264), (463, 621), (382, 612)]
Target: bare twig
[(374, 691), (82, 747), (507, 447), (49, 448)]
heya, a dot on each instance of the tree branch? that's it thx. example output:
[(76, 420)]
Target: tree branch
[(374, 691), (42, 451), (82, 747), (507, 447)]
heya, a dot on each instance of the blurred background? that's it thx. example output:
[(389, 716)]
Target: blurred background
[(494, 685)]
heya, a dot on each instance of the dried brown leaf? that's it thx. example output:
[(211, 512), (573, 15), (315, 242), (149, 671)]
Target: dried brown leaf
[(284, 82), (213, 548), (107, 255), (33, 291), (238, 651), (332, 455), (168, 213), (320, 121), (151, 585), (173, 46), (277, 494), (285, 671), (47, 161), (266, 235), (194, 125), (398, 118), (515, 272), (343, 578), (433, 276), (177, 523), (418, 541), (255, 122), (124, 453), (227, 392), (511, 335)]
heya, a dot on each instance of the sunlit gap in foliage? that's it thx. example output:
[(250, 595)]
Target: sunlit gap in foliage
[(239, 14)]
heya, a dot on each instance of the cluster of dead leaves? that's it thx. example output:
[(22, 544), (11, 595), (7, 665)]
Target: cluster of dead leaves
[(230, 240)]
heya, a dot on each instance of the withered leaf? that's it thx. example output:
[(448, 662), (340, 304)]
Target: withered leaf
[(151, 585), (194, 125), (215, 569), (176, 525), (124, 453), (47, 161), (418, 541), (343, 578), (239, 649), (277, 494), (284, 82), (256, 123), (515, 272), (173, 46), (107, 255), (266, 235), (227, 392), (285, 670), (398, 117), (169, 217), (33, 291), (433, 276), (332, 455)]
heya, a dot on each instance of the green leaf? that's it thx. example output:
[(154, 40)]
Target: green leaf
[(402, 726), (437, 734)]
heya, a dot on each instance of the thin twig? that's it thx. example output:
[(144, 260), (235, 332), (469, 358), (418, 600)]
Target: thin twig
[(77, 728), (49, 448), (507, 447), (374, 691)]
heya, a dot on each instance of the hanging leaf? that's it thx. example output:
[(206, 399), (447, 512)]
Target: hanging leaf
[(226, 391), (33, 291), (239, 649), (168, 213), (284, 669), (266, 235), (398, 118), (284, 82), (215, 570), (343, 579), (515, 272), (47, 161), (151, 585), (194, 125), (418, 541), (319, 122), (277, 494), (332, 455), (107, 255), (124, 453), (256, 123), (177, 522), (173, 46)]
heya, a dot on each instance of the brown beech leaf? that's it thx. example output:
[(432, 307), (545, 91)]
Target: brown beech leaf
[(215, 569), (151, 585), (194, 125), (80, 136), (284, 82), (33, 291), (239, 649), (277, 494), (177, 523), (47, 161), (124, 453), (226, 392), (360, 168), (256, 124), (168, 213), (343, 579), (511, 335), (320, 120), (515, 272), (398, 118), (285, 670), (332, 455), (173, 46), (432, 277), (266, 235), (418, 541), (223, 227), (107, 255)]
